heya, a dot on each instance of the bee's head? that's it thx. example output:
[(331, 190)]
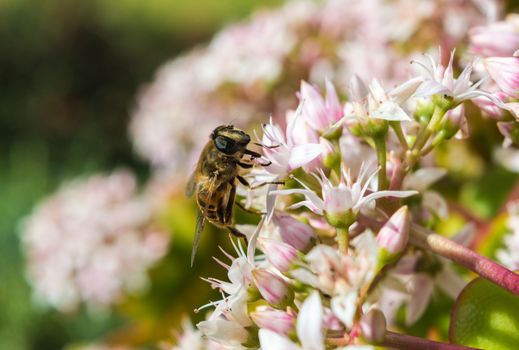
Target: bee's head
[(230, 140)]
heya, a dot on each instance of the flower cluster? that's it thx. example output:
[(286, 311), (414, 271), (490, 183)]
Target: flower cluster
[(91, 243), (342, 244), (250, 69), (348, 205)]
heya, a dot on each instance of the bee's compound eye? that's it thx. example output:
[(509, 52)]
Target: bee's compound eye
[(225, 145), (220, 143)]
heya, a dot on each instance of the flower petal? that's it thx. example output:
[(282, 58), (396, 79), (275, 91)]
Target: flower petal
[(309, 323), (304, 154), (270, 340), (421, 290), (310, 195), (390, 110)]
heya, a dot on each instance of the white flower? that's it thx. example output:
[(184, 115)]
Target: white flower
[(289, 153), (440, 80), (346, 196), (373, 102)]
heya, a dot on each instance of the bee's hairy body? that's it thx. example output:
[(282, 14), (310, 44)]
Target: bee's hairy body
[(214, 179), (216, 188)]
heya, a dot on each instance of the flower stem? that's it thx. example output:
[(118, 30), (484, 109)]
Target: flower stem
[(380, 145), (343, 239), (408, 342), (397, 127), (481, 265), (426, 132)]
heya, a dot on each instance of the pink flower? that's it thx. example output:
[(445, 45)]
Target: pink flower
[(279, 254), (91, 242), (489, 107), (288, 153), (321, 114), (499, 39), (294, 232), (393, 236), (271, 287), (505, 72), (278, 321)]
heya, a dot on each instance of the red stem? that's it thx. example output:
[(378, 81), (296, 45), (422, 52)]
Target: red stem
[(481, 265), (408, 342)]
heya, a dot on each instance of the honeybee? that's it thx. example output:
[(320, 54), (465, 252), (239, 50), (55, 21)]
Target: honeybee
[(214, 179)]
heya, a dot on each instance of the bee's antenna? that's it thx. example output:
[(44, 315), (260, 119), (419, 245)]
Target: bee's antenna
[(232, 122)]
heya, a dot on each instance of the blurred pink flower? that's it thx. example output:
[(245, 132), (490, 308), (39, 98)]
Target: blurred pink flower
[(91, 242), (484, 42), (505, 72)]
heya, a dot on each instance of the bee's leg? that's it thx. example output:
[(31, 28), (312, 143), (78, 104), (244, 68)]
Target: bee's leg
[(267, 183), (243, 181), (248, 210), (252, 153), (255, 155), (238, 234), (228, 207), (265, 146), (245, 165)]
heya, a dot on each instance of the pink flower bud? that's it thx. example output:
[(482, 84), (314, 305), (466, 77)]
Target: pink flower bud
[(278, 321), (505, 72), (394, 234), (271, 287), (373, 326), (455, 121), (293, 231), (279, 254)]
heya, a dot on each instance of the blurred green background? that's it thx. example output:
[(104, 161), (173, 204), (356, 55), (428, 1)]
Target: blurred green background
[(69, 74)]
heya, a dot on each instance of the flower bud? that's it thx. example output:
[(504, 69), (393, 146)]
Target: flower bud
[(278, 321), (279, 254), (455, 121), (271, 287), (294, 232), (423, 111), (373, 326), (393, 236)]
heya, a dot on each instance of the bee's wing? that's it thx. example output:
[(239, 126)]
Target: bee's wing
[(191, 185), (200, 220)]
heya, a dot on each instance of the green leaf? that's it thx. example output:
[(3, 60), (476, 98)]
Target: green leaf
[(485, 316)]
